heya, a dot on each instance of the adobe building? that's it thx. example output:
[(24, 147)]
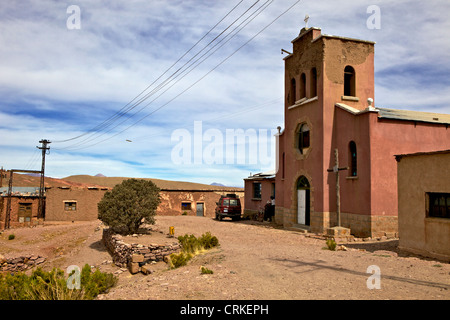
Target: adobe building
[(258, 189), (73, 203), (194, 202), (424, 203), (24, 207), (329, 105), (80, 204)]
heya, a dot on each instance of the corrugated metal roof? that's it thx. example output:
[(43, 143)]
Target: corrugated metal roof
[(413, 116), (263, 175), (21, 191)]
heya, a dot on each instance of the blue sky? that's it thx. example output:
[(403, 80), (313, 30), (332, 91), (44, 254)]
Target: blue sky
[(59, 83)]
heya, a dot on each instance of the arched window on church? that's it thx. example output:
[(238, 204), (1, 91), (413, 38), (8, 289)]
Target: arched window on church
[(353, 165), (303, 138), (293, 92), (302, 86), (349, 82), (313, 87)]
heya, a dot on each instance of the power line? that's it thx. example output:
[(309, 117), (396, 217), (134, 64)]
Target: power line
[(224, 116), (204, 76), (252, 16), (174, 75), (122, 111)]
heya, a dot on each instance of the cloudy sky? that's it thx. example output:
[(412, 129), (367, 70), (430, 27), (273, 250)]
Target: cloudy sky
[(155, 88)]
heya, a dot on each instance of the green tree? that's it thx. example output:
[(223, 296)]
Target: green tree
[(128, 205)]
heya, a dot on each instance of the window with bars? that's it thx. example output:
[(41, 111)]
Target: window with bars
[(439, 205), (70, 206), (257, 190)]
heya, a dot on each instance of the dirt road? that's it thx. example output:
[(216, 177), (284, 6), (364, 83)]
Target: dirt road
[(254, 261)]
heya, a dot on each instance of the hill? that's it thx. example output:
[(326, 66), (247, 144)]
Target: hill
[(162, 184), (26, 180)]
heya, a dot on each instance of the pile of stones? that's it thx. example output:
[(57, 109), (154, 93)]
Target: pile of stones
[(21, 263), (136, 257)]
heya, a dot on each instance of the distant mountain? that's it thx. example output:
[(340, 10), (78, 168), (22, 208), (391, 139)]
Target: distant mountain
[(217, 184), (100, 175)]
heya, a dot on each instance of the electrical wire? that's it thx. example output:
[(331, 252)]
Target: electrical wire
[(200, 79), (221, 117), (251, 17), (126, 108)]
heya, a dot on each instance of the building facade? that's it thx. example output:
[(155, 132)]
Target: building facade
[(196, 202), (80, 204), (329, 106), (73, 203), (24, 207), (258, 188), (424, 208)]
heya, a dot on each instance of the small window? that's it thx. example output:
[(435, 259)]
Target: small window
[(25, 212), (257, 190), (439, 205), (186, 206), (349, 82), (70, 206), (293, 91), (302, 86), (353, 159), (303, 138), (313, 88)]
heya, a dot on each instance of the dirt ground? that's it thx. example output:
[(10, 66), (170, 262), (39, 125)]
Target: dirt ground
[(255, 261)]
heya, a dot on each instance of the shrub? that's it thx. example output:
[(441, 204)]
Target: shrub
[(128, 205), (209, 241), (177, 260), (52, 285), (331, 244), (205, 270), (11, 237), (190, 247)]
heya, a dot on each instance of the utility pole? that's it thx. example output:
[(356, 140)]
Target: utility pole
[(336, 170), (44, 149), (1, 177)]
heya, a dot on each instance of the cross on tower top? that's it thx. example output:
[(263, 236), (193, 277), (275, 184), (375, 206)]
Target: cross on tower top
[(306, 21)]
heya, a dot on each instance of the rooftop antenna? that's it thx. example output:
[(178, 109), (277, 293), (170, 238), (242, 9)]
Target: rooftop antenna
[(306, 21)]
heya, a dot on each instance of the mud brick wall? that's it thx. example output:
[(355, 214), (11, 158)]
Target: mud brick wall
[(86, 200), (135, 255), (16, 201), (19, 264)]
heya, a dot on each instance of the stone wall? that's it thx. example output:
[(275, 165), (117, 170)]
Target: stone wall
[(19, 264), (136, 256)]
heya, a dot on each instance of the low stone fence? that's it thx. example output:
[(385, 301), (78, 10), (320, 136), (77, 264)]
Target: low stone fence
[(19, 264), (136, 256)]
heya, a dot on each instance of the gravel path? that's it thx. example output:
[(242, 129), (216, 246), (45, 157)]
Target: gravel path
[(254, 261)]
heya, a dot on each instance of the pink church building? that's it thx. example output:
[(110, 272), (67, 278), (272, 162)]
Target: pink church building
[(330, 105)]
